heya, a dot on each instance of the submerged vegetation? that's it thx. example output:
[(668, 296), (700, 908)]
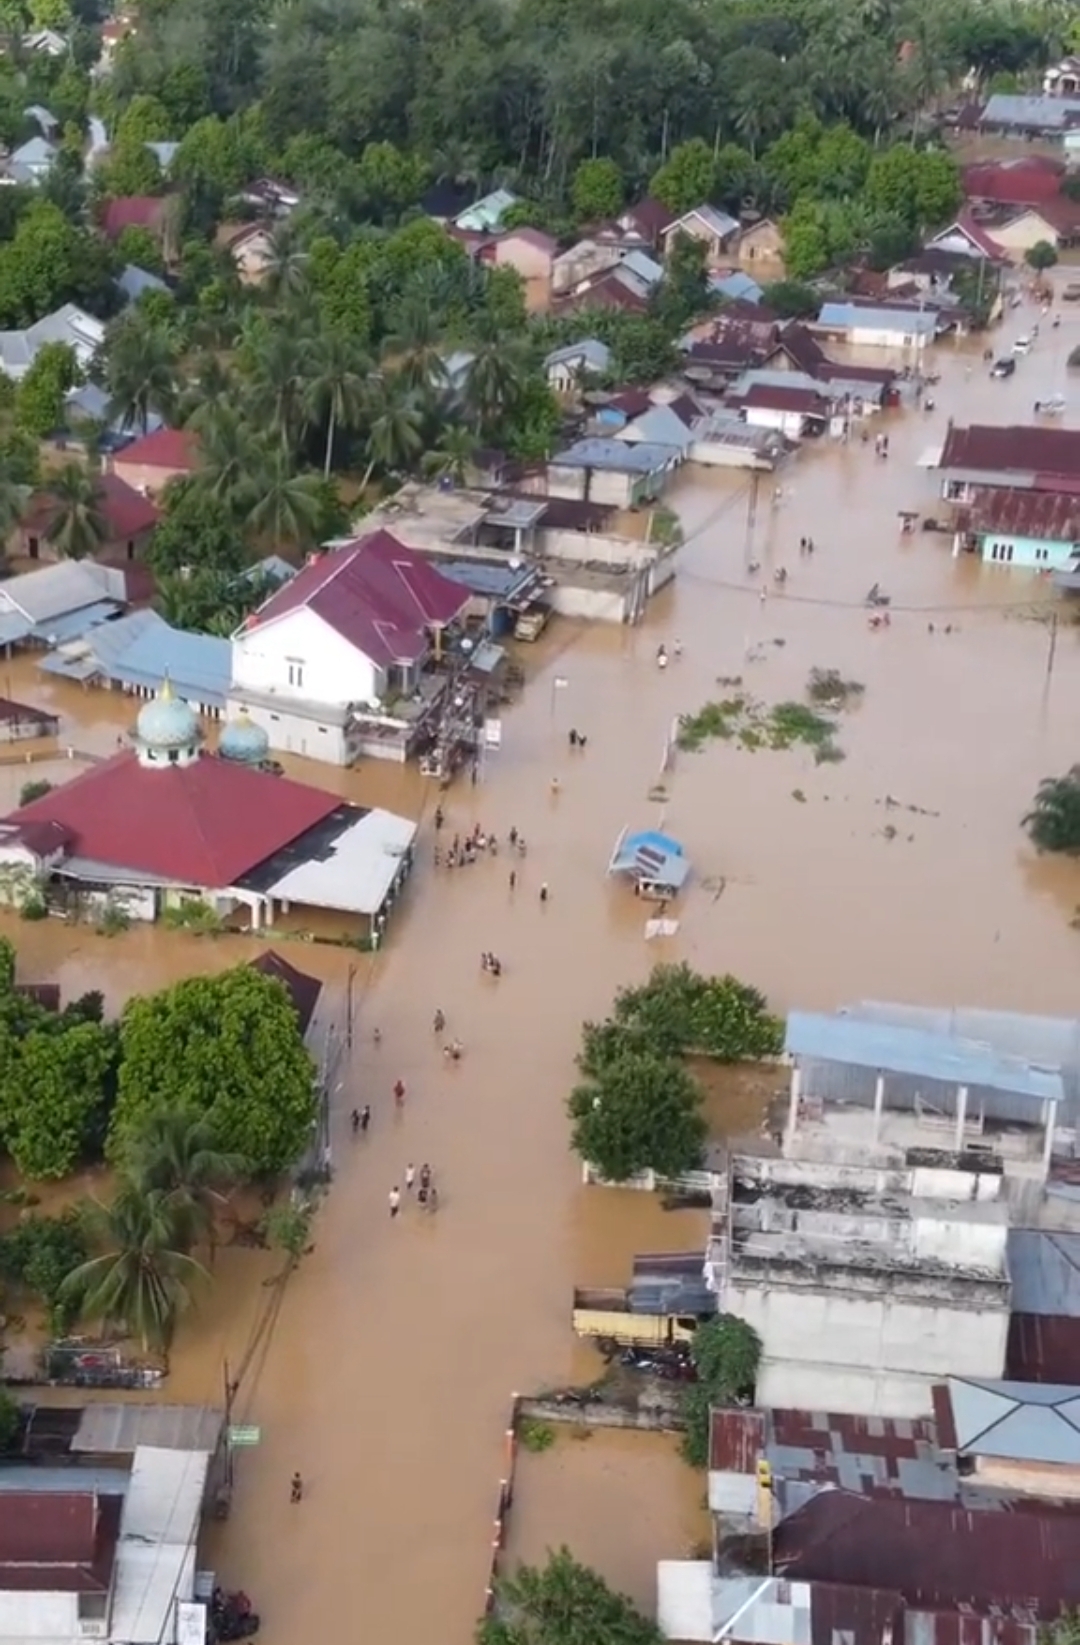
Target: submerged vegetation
[(753, 725), (1053, 823)]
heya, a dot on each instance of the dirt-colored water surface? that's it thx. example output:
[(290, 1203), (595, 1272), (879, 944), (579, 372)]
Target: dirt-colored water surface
[(387, 1373)]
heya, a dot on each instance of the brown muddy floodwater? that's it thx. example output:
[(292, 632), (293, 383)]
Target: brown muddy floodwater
[(387, 1375)]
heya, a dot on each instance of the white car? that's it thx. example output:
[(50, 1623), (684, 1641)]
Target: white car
[(1023, 345)]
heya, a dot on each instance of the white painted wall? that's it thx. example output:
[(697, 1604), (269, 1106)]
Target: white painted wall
[(293, 733), (598, 605), (332, 670), (711, 454), (590, 548), (821, 1341), (606, 486), (789, 423), (39, 1616)]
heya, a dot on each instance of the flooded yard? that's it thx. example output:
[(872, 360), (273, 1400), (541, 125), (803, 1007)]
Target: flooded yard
[(901, 872), (618, 1500)]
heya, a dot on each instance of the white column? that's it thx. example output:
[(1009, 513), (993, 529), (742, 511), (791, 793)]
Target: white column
[(256, 914), (961, 1115), (793, 1107), (1049, 1120), (879, 1104)]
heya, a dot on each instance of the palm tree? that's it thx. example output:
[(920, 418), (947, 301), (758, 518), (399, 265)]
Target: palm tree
[(210, 383), (13, 500), (142, 1281), (141, 371), (335, 390), (77, 527), (494, 377), (453, 454), (415, 347), (228, 455), (174, 1153), (277, 383), (1053, 823), (287, 505), (395, 426), (285, 265)]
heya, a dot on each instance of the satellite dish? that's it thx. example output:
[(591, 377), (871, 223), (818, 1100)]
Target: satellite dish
[(515, 564)]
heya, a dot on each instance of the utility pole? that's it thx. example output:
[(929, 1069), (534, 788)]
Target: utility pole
[(751, 517), (1052, 652), (350, 984)]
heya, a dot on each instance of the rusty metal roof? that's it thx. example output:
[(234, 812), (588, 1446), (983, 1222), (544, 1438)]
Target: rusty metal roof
[(1014, 449), (736, 1440), (1053, 516), (937, 1554), (1043, 1348)]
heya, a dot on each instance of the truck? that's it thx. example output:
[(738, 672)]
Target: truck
[(609, 1315), (532, 621)]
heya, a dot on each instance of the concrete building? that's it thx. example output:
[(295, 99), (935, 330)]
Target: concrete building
[(879, 326), (866, 1285), (608, 471), (1036, 530)]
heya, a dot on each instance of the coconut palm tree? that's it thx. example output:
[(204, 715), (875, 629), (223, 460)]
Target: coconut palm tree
[(210, 383), (395, 426), (1053, 823), (415, 347), (142, 1280), (228, 455), (277, 383), (285, 265), (286, 506), (141, 371), (453, 454), (77, 527), (14, 497), (335, 390), (494, 377), (174, 1152)]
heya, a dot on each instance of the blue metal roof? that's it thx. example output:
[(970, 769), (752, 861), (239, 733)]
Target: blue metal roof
[(14, 627), (651, 857), (616, 455), (736, 285), (905, 322), (1018, 1421), (1045, 1272), (1038, 112), (493, 582), (943, 1057), (71, 625), (199, 665)]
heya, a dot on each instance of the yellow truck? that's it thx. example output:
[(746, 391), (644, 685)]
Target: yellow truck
[(608, 1315)]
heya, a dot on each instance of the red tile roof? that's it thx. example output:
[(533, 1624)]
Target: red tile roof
[(58, 1541), (1023, 182), (131, 211), (377, 594), (1053, 453), (936, 1553), (126, 512), (174, 448), (204, 824)]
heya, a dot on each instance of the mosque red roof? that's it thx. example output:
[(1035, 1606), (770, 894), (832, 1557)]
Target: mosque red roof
[(205, 824)]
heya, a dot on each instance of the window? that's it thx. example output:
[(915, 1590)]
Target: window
[(296, 672)]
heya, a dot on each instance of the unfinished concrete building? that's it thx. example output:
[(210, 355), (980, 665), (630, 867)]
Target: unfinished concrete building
[(866, 1286)]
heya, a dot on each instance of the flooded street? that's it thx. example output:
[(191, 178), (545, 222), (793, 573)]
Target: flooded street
[(387, 1375)]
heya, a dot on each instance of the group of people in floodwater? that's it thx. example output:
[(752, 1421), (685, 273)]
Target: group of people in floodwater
[(476, 844)]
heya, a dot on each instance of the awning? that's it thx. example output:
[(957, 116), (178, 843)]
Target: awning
[(931, 457)]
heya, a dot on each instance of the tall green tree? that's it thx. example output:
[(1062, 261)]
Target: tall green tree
[(77, 525), (334, 393), (141, 371), (287, 506), (1053, 823), (638, 1112), (563, 1603), (395, 426), (175, 1152), (54, 1084)]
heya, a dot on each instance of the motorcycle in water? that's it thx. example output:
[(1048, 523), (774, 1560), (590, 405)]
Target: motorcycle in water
[(231, 1617)]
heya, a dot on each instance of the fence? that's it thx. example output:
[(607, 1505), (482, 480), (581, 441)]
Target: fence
[(504, 1503), (651, 1182)]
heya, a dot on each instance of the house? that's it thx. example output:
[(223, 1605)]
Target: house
[(90, 404), (354, 628), (605, 245), (146, 211), (621, 408), (163, 822), (44, 119), (1063, 79), (761, 249), (878, 327), (251, 246), (722, 440), (1044, 1330), (663, 426), (616, 287), (967, 238), (69, 325), (59, 602), (149, 463), (1026, 181), (716, 229), (792, 411), (1013, 456), (567, 367), (46, 43), (1013, 1436), (31, 162), (138, 652), (528, 250), (1055, 222), (20, 722), (135, 282), (270, 195), (1024, 115), (1036, 529), (446, 199), (611, 471), (485, 216), (304, 991), (128, 515), (930, 272), (733, 285), (649, 219)]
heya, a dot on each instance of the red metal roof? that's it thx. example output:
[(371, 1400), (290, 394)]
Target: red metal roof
[(736, 1440), (204, 824), (1043, 1348), (966, 225), (1024, 182), (774, 397), (131, 211), (534, 237), (650, 217), (632, 402), (377, 594), (1014, 449), (304, 991), (173, 448), (861, 1616), (58, 1541), (1051, 515), (936, 1553), (126, 512)]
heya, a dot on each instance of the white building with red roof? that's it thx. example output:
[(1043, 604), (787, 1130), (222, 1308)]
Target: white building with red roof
[(340, 650), (164, 822)]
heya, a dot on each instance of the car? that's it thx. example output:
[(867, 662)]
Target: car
[(1003, 368), (1023, 345), (1071, 294)]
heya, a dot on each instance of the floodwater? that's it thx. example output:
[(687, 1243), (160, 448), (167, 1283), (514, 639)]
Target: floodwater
[(387, 1374)]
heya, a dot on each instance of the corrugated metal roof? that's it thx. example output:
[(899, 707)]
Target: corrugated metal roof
[(1045, 1272), (659, 426), (904, 322), (943, 1057), (155, 1564), (736, 1440), (122, 1429), (616, 456), (199, 665), (1033, 112), (1043, 1347), (72, 625)]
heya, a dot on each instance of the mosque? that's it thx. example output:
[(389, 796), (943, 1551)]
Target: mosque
[(165, 820)]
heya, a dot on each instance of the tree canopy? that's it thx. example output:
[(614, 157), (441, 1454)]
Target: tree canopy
[(228, 1047), (726, 1353), (638, 1111), (1053, 823), (679, 1011), (563, 1603)]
